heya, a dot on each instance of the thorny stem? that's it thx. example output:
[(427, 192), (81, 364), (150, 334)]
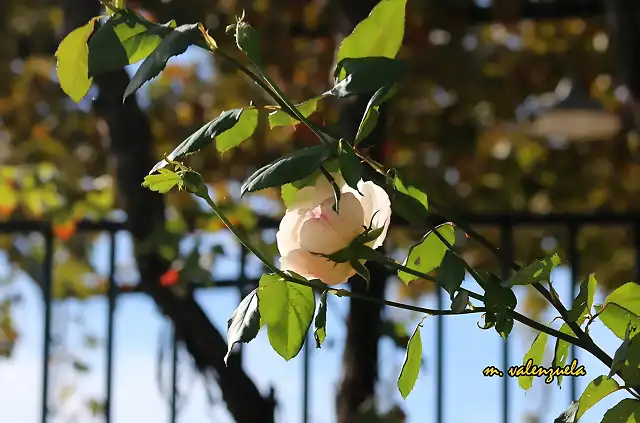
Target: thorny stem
[(583, 338)]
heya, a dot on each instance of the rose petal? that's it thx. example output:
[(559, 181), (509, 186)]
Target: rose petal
[(315, 267), (289, 229), (324, 231), (375, 201), (312, 195)]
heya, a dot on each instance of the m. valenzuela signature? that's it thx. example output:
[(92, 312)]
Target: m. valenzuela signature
[(530, 369)]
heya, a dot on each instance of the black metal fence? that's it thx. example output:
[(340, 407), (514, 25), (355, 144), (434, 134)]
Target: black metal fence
[(572, 223)]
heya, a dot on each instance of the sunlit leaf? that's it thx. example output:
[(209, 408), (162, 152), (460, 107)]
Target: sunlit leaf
[(428, 253), (538, 271), (380, 34), (73, 62), (626, 411), (411, 365), (584, 300), (535, 354), (616, 319), (280, 118), (163, 181), (287, 310), (241, 131), (124, 39)]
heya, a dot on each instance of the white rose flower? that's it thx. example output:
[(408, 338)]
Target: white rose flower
[(311, 226)]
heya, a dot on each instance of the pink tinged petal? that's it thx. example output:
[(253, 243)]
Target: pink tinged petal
[(326, 232), (287, 235), (315, 267), (376, 204)]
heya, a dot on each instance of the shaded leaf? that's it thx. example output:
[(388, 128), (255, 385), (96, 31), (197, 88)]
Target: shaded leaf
[(351, 167), (411, 365), (320, 322), (450, 273), (409, 202), (244, 324), (366, 75), (504, 327), (621, 354), (538, 271), (535, 354), (626, 411), (428, 253), (163, 181), (290, 168), (287, 310), (372, 111), (173, 44), (568, 415), (459, 302), (124, 39), (280, 118), (380, 34), (248, 41), (72, 67), (596, 390), (584, 300), (205, 135)]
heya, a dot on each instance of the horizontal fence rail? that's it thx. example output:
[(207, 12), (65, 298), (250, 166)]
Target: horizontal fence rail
[(506, 223)]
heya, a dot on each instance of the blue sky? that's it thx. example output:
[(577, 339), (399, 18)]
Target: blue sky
[(139, 329)]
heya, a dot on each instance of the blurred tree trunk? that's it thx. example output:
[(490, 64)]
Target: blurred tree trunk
[(131, 147), (360, 357)]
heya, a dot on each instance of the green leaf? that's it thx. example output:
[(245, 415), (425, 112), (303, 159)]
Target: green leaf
[(459, 302), (351, 167), (428, 253), (173, 44), (568, 415), (535, 354), (162, 181), (504, 327), (287, 310), (280, 118), (231, 121), (626, 411), (622, 353), (73, 57), (287, 169), (244, 324), (372, 111), (583, 302), (366, 75), (320, 322), (538, 271), (597, 389), (630, 370), (412, 360), (409, 202), (124, 39), (561, 350), (451, 273), (616, 319), (240, 132), (380, 34), (248, 41), (626, 296)]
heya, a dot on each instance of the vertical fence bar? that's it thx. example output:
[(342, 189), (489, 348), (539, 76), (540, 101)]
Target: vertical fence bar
[(306, 363), (506, 244), (47, 290), (574, 258), (174, 378), (111, 297), (440, 360)]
